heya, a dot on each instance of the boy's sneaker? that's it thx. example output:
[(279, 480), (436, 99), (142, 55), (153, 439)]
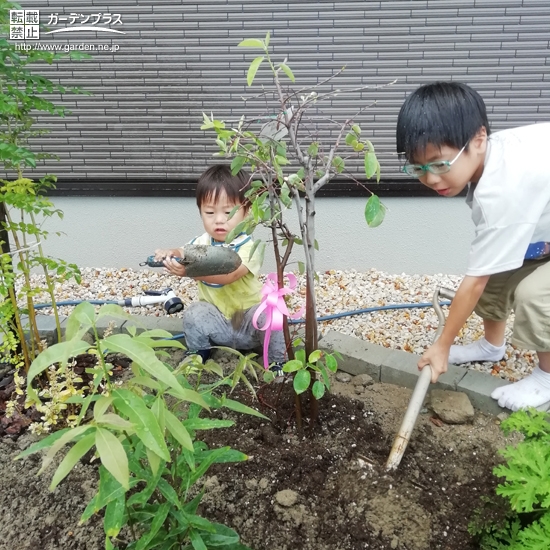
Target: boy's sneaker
[(204, 353), (277, 369)]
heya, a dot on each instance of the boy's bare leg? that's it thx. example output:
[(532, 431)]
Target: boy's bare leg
[(489, 348), (532, 391)]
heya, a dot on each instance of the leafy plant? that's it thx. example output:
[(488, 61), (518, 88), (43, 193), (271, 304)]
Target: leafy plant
[(144, 433), (23, 206), (522, 521), (289, 165)]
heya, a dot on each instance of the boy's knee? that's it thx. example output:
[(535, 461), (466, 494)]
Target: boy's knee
[(526, 294), (197, 310)]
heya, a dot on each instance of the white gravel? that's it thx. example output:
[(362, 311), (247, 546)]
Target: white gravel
[(337, 291)]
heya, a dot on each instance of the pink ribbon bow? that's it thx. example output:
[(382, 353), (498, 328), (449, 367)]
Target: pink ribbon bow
[(273, 303)]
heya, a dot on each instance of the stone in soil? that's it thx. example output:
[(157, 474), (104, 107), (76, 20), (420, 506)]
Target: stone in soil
[(451, 406)]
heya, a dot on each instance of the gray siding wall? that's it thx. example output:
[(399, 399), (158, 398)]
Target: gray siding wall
[(179, 58)]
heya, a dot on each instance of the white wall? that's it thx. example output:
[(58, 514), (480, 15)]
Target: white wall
[(418, 236)]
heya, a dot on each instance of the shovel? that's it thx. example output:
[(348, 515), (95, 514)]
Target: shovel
[(417, 399)]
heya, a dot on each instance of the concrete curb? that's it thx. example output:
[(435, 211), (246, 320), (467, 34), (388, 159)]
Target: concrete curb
[(400, 368), (358, 357)]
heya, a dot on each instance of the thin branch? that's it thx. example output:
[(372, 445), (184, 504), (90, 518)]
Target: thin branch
[(327, 176)]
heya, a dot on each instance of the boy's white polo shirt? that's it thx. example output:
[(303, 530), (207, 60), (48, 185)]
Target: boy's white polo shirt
[(511, 202)]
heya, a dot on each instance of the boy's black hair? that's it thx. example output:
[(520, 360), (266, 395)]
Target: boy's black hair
[(218, 178), (442, 113)]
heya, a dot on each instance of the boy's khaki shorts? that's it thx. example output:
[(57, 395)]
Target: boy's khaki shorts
[(526, 291)]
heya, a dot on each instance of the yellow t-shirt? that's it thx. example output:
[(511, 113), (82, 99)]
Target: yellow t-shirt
[(244, 292)]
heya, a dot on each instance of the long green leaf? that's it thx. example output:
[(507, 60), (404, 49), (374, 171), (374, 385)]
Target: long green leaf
[(115, 421), (287, 71), (79, 321), (178, 431), (253, 69), (156, 524), (113, 310), (145, 357), (101, 405), (42, 444), (113, 456), (371, 164), (114, 516), (145, 423), (63, 440), (77, 451), (196, 540), (58, 353), (239, 407), (206, 423), (252, 43)]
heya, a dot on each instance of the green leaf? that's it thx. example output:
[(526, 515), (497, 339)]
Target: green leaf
[(178, 431), (114, 516), (77, 451), (236, 164), (266, 40), (145, 423), (314, 356), (145, 357), (196, 540), (374, 211), (371, 164), (536, 535), (108, 543), (357, 129), (206, 423), (101, 405), (239, 407), (351, 138), (313, 149), (301, 268), (292, 366), (252, 43), (79, 321), (287, 71), (58, 353), (253, 69), (159, 519), (223, 536), (67, 437), (48, 441), (338, 164), (115, 421), (113, 456), (302, 380), (332, 364), (318, 389), (114, 310)]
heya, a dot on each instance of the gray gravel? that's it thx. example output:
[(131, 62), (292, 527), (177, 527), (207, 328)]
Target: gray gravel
[(337, 291)]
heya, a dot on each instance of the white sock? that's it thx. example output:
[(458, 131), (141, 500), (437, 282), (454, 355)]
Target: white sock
[(480, 350), (532, 391)]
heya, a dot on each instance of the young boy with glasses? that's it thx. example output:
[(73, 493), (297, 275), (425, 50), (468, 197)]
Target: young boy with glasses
[(227, 303), (443, 132)]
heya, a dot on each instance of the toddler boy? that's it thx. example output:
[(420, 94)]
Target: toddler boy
[(223, 315)]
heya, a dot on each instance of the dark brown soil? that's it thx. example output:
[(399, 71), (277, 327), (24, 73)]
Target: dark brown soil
[(344, 498), (328, 491)]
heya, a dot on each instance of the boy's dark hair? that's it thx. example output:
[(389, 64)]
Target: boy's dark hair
[(218, 178), (442, 113)]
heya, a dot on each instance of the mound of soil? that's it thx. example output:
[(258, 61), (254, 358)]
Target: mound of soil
[(327, 490)]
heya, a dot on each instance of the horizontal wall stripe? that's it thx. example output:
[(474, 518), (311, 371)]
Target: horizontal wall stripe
[(179, 59)]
